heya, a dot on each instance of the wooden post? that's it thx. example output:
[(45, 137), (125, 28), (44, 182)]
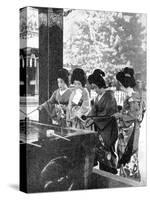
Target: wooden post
[(43, 62), (50, 54)]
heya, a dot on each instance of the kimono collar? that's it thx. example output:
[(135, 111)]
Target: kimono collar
[(61, 92), (99, 96), (130, 91)]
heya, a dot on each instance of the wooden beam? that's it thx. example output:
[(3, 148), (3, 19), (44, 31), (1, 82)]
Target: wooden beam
[(117, 178)]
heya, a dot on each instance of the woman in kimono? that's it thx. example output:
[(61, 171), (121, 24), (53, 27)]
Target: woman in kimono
[(56, 106), (79, 102), (129, 124), (102, 116)]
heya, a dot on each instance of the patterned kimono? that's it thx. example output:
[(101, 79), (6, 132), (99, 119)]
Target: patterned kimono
[(79, 105), (129, 125), (56, 106), (106, 125)]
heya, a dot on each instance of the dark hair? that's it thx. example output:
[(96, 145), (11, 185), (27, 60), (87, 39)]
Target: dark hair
[(64, 75), (78, 75), (90, 79), (126, 77), (99, 71), (97, 78)]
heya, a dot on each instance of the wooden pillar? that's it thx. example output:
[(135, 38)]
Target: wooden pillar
[(50, 54), (55, 34)]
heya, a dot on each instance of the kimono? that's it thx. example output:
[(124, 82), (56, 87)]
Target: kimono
[(79, 105), (56, 106), (106, 125), (128, 141)]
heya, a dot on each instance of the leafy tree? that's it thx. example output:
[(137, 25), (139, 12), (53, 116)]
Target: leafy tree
[(129, 37), (106, 40)]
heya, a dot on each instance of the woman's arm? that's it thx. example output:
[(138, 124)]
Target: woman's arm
[(48, 104)]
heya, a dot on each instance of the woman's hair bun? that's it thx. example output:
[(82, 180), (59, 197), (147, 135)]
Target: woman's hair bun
[(78, 74), (97, 78), (126, 77), (64, 74), (129, 71), (99, 72), (120, 76)]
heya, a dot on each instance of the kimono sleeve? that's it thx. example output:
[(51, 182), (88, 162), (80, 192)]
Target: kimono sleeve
[(85, 107), (110, 103), (93, 111), (48, 105), (133, 112)]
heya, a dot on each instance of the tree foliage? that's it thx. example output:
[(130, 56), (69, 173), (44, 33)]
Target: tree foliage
[(106, 40)]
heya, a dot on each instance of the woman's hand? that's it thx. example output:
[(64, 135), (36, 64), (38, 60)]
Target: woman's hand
[(78, 114), (40, 107), (89, 122)]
